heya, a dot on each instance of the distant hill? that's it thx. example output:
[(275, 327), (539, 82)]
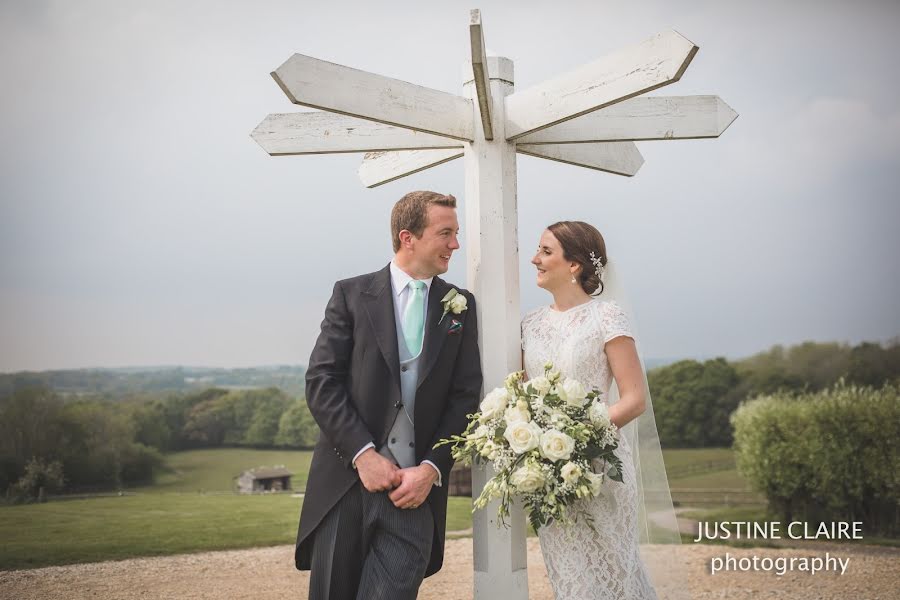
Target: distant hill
[(118, 382), (123, 381)]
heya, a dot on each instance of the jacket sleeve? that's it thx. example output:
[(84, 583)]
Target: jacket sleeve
[(327, 381), (464, 393)]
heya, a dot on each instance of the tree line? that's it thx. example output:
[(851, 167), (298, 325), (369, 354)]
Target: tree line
[(55, 443), (693, 400), (59, 441)]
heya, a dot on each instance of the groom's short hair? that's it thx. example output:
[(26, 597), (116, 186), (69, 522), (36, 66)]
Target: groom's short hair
[(411, 213)]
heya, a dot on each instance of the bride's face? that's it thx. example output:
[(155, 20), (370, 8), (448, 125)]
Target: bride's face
[(553, 270)]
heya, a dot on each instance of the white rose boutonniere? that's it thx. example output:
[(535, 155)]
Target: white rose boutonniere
[(453, 302)]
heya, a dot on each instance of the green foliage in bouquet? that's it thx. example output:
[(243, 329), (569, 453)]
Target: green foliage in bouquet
[(825, 456), (544, 438)]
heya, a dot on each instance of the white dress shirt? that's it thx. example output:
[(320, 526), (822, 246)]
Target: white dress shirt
[(400, 285)]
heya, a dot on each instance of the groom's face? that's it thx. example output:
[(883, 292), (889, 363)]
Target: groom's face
[(431, 253)]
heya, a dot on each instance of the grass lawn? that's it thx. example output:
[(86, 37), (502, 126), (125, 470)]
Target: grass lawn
[(681, 462), (170, 517), (215, 469), (94, 529)]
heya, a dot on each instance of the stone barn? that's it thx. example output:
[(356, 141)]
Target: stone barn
[(264, 479)]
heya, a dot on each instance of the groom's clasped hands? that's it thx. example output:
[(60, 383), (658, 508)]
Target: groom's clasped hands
[(408, 487)]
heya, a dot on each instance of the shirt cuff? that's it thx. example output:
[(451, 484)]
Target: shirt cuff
[(437, 482), (363, 449)]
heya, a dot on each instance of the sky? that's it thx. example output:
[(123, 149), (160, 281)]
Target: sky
[(140, 224)]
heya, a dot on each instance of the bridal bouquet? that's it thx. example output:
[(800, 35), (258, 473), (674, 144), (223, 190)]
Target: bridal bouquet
[(540, 436)]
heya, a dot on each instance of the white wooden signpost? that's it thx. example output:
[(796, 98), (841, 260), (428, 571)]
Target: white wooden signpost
[(589, 117)]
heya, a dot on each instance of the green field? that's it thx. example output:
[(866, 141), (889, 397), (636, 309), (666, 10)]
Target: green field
[(682, 462), (74, 531), (171, 517), (215, 470)]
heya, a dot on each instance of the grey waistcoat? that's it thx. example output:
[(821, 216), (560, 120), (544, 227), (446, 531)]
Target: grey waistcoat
[(401, 440)]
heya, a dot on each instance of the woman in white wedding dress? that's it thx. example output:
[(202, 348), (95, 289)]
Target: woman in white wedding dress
[(590, 340)]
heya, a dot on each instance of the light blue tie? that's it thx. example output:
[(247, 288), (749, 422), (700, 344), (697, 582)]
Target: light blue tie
[(414, 317)]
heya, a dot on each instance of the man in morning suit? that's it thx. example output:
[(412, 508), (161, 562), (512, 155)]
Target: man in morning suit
[(394, 370)]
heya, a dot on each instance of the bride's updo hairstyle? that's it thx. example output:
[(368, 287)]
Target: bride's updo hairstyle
[(578, 239)]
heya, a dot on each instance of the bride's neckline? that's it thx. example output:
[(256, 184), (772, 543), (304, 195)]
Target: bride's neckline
[(568, 310)]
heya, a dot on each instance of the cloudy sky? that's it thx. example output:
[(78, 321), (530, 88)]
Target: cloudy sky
[(140, 224)]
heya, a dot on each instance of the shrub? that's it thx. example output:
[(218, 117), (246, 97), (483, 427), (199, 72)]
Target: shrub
[(825, 456), (40, 478)]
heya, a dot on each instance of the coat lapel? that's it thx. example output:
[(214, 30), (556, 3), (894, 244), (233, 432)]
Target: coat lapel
[(435, 333), (380, 308)]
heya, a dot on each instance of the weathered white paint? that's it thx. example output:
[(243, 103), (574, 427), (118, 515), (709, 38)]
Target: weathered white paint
[(497, 68), (328, 133), (320, 84), (653, 118), (492, 270), (480, 73), (635, 70), (619, 158), (379, 168)]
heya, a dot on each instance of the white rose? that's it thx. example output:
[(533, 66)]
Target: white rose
[(571, 392), (541, 385), (458, 304), (570, 472), (528, 478), (523, 436), (494, 404), (598, 413), (518, 413), (555, 445), (596, 482)]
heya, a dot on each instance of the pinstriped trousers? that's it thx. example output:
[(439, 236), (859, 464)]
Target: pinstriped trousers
[(368, 549)]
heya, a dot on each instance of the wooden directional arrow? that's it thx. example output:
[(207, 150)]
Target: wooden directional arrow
[(620, 158), (328, 133), (653, 63), (319, 84), (660, 118), (381, 167), (480, 71)]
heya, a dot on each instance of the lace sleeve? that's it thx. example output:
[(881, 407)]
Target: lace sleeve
[(614, 321)]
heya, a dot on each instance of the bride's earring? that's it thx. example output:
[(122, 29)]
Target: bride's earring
[(573, 279)]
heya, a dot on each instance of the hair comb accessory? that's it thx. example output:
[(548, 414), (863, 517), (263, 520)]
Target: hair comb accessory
[(598, 265)]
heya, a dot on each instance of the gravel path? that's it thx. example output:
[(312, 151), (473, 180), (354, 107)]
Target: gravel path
[(268, 573)]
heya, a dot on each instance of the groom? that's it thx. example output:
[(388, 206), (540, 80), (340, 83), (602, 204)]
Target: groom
[(395, 369)]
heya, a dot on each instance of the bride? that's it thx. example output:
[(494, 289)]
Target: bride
[(590, 339)]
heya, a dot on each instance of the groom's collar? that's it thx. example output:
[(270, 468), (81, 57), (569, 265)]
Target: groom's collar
[(400, 279)]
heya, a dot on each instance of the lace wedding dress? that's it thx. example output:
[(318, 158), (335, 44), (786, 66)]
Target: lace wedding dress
[(583, 564)]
